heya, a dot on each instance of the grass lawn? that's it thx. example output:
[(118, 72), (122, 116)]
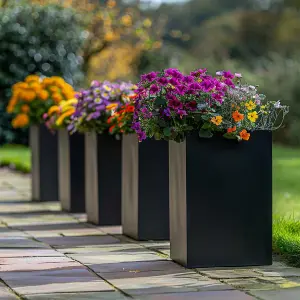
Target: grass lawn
[(17, 156), (286, 195)]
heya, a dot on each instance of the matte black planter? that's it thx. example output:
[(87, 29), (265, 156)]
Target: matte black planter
[(145, 189), (103, 179), (221, 201), (71, 171), (44, 164)]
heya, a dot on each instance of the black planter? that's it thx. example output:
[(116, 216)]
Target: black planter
[(71, 171), (44, 164), (145, 189), (103, 179), (221, 201)]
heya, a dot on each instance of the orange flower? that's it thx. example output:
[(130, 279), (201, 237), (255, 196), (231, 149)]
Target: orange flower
[(111, 128), (237, 117), (21, 120), (25, 108), (111, 106), (244, 135), (130, 109), (57, 97), (110, 119), (43, 95), (230, 130)]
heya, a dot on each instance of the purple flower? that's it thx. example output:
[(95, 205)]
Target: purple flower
[(167, 112), (219, 73), (174, 81), (175, 104), (229, 82), (172, 72), (198, 73), (228, 75), (207, 85), (181, 112), (218, 97), (195, 86), (191, 105), (188, 79), (154, 89), (162, 80), (95, 83), (181, 89), (149, 77)]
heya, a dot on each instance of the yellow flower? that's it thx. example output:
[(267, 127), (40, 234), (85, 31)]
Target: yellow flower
[(111, 106), (54, 89), (11, 105), (250, 105), (147, 23), (252, 116), (21, 120), (53, 109), (20, 85), (35, 86), (217, 120), (111, 3), (68, 113), (127, 20)]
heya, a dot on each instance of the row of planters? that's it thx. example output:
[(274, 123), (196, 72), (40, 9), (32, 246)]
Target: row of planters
[(180, 157)]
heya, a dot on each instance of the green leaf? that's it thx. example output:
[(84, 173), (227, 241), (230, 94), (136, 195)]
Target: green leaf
[(160, 101), (167, 131), (229, 136), (206, 126), (205, 133)]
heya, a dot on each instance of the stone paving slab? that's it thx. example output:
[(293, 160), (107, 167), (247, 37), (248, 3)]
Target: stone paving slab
[(49, 254), (6, 294), (79, 296)]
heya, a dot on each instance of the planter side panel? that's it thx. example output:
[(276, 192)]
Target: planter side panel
[(35, 162), (91, 176), (130, 158), (77, 172), (229, 201), (109, 180), (153, 190), (64, 169), (178, 209), (48, 163)]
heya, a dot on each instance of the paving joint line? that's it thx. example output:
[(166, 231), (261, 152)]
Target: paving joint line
[(12, 290)]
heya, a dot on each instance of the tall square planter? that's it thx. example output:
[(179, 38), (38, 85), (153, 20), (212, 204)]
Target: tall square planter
[(221, 201), (103, 179), (145, 189), (44, 164), (71, 171)]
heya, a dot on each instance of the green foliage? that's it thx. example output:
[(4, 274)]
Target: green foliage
[(36, 39), (15, 156), (286, 239)]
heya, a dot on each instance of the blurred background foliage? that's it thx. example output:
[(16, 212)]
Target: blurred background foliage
[(107, 39)]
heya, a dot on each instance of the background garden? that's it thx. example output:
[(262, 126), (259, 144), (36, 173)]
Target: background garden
[(83, 40)]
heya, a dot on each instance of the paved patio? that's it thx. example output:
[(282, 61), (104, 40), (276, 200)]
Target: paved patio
[(47, 254)]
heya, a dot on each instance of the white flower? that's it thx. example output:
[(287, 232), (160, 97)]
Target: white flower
[(277, 104)]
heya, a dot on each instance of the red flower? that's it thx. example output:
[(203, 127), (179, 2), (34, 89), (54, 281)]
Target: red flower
[(130, 109)]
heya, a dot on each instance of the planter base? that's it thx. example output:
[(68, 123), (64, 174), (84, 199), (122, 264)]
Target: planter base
[(71, 171), (44, 161), (221, 201), (145, 195), (103, 179)]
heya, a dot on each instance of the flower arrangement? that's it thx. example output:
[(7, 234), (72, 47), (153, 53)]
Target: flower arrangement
[(121, 120), (58, 116), (33, 97), (170, 105), (97, 103)]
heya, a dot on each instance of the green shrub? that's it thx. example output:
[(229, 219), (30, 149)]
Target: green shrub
[(44, 40)]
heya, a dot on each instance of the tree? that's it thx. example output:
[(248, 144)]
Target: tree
[(108, 23)]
